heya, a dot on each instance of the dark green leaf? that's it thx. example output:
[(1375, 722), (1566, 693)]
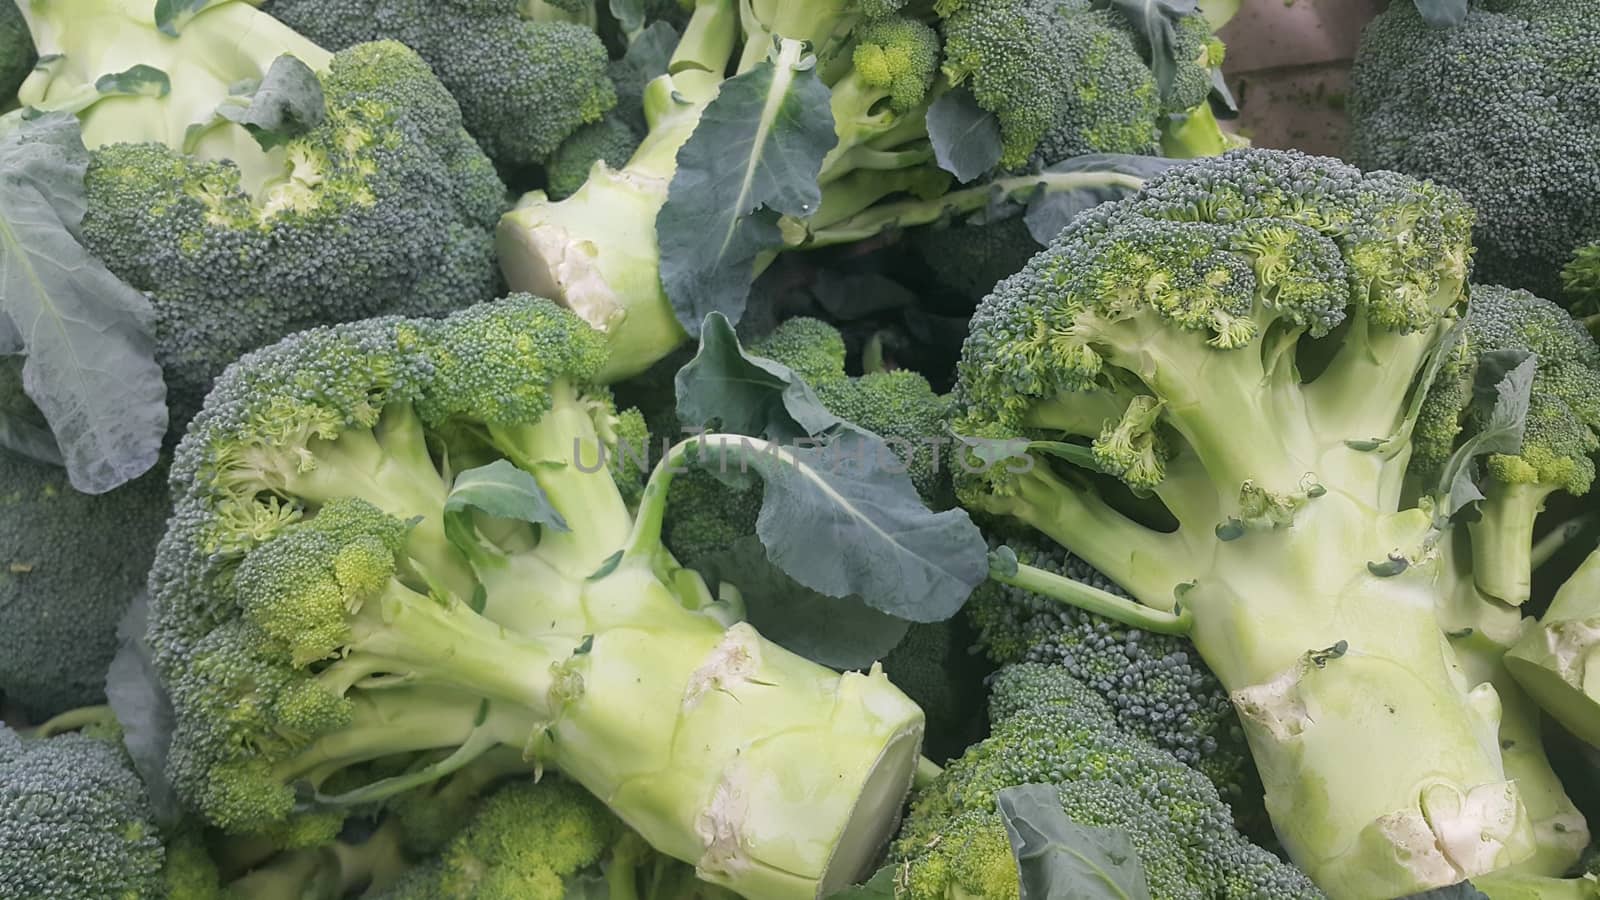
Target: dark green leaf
[(141, 80), (841, 632), (746, 394), (23, 429), (965, 136), (1461, 891), (1443, 13), (143, 709), (1049, 211), (842, 519), (1057, 858), (503, 491), (90, 366), (753, 158), (629, 14), (173, 15), (1155, 21), (607, 566), (1504, 386), (287, 103), (646, 59), (879, 887), (1223, 104)]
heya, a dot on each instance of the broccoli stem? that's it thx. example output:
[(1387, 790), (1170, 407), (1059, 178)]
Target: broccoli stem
[(1502, 539), (1087, 597), (1194, 135), (75, 720), (1553, 659), (1559, 537)]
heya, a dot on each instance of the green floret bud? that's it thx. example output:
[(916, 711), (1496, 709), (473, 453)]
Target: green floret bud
[(16, 52), (900, 56), (1580, 280), (611, 141)]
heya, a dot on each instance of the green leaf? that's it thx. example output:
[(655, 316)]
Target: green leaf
[(842, 520), (629, 14), (1058, 858), (287, 104), (1504, 384), (23, 429), (90, 366), (1461, 891), (753, 158), (648, 54), (879, 887), (737, 392), (1049, 211), (1443, 13), (1155, 21), (503, 491), (173, 15), (139, 81), (965, 136), (840, 632), (143, 708)]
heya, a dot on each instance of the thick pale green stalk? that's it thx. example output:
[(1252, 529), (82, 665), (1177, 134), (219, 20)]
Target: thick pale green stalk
[(1502, 539), (1557, 658)]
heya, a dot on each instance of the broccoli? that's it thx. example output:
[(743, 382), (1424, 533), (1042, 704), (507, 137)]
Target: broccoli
[(75, 821), (609, 140), (542, 841), (1560, 437), (935, 666), (597, 251), (971, 258), (16, 52), (1219, 373), (1049, 728), (524, 85), (390, 538), (1504, 108), (1155, 684), (1555, 658), (371, 198), (71, 563)]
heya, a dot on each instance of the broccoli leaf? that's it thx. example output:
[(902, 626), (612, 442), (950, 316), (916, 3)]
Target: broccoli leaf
[(90, 366), (1504, 384), (1057, 857), (965, 136), (23, 429), (1051, 210), (172, 15), (842, 632), (648, 54), (503, 491), (746, 394), (1443, 13), (287, 104), (1154, 20), (843, 519), (1461, 891), (879, 887), (754, 157), (143, 709)]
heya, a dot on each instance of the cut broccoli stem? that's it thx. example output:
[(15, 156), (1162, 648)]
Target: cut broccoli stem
[(1502, 539), (1559, 537), (909, 213), (1087, 597)]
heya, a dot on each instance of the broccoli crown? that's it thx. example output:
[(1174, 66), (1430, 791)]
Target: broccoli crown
[(1562, 431), (1155, 685), (935, 666), (1580, 280), (72, 562), (16, 51), (1505, 108), (75, 821), (971, 258), (1050, 728), (897, 55), (1213, 256), (386, 206), (307, 545), (524, 86), (610, 140)]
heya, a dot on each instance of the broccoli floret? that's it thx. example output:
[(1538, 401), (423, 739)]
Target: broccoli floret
[(16, 52), (935, 666), (372, 198), (971, 258), (1155, 684), (524, 86), (335, 595), (609, 140), (1218, 371), (1049, 728), (1504, 108), (75, 820), (1561, 434)]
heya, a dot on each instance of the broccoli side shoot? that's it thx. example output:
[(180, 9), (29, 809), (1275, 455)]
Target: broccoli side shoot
[(524, 85), (1049, 728), (75, 820), (1504, 108), (368, 198)]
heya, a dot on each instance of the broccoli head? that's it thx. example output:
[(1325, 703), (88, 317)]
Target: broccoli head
[(16, 52), (1049, 728), (392, 538), (361, 195), (610, 140), (75, 820), (1504, 108), (524, 85)]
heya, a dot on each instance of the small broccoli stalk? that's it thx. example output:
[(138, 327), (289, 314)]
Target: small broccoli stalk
[(1558, 442), (1555, 658), (1215, 379), (397, 537)]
